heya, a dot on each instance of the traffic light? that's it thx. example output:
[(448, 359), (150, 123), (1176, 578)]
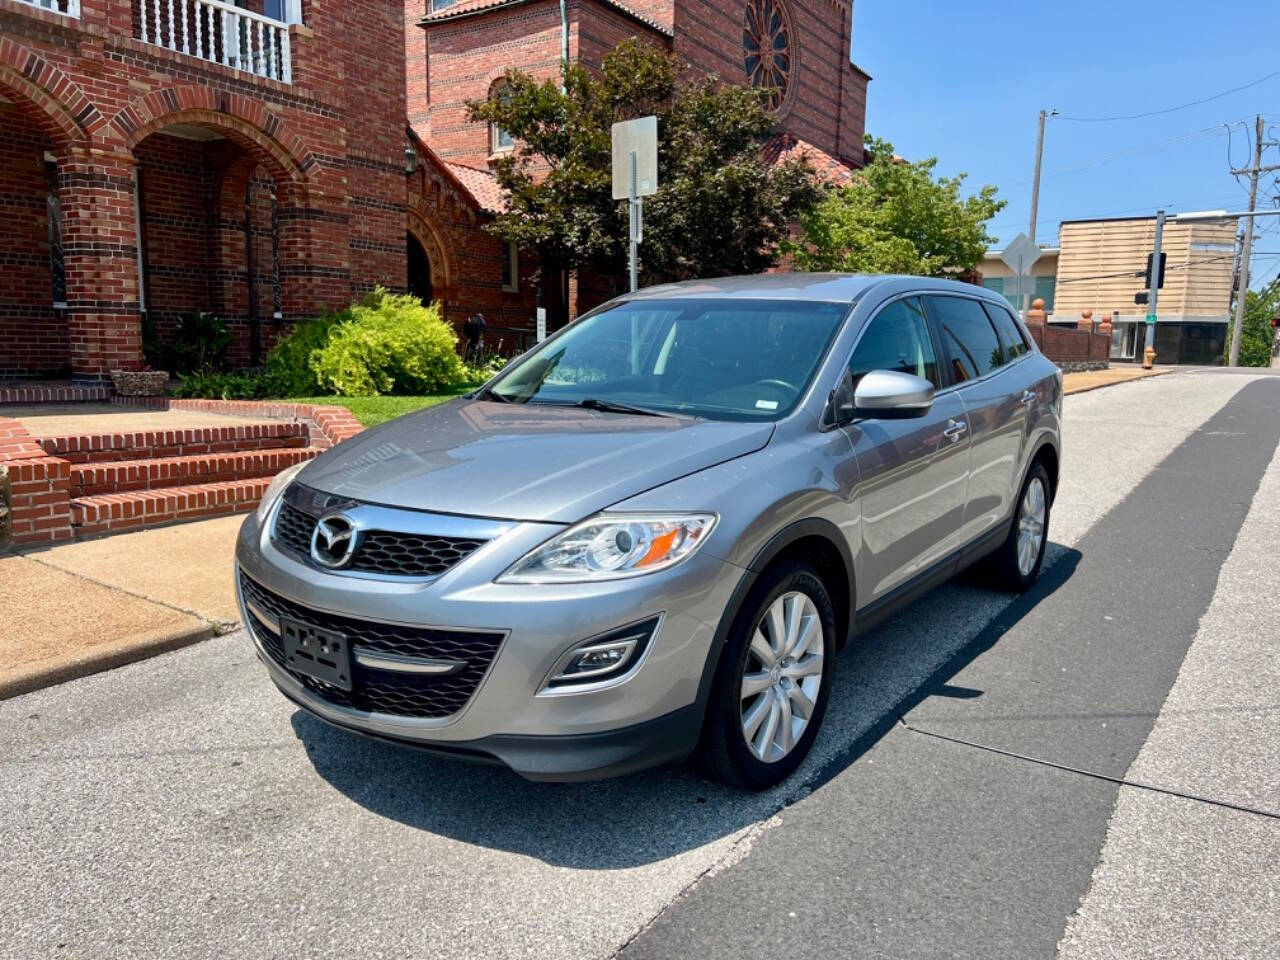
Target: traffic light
[(1164, 259)]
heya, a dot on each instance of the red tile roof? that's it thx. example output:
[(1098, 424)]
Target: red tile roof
[(782, 147), (482, 185)]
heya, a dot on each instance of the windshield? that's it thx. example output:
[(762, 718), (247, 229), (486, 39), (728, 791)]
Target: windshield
[(718, 359)]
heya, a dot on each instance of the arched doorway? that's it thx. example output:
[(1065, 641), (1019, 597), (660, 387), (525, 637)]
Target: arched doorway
[(419, 269)]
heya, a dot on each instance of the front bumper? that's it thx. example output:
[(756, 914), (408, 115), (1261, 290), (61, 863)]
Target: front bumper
[(652, 717)]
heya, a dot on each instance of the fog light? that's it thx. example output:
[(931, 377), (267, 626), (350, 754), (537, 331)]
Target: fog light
[(591, 661), (602, 659)]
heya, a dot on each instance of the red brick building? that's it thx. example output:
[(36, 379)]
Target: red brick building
[(251, 159), (170, 156), (799, 48)]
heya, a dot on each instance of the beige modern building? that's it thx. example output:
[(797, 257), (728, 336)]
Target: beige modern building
[(996, 273), (1102, 264)]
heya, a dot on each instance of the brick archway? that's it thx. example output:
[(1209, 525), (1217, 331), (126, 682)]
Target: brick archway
[(66, 115), (241, 119), (428, 233)]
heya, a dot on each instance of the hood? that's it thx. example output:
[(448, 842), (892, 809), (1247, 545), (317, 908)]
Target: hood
[(523, 462)]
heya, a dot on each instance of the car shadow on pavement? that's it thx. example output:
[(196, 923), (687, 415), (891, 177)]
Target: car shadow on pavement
[(660, 813)]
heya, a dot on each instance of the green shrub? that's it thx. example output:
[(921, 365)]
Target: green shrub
[(201, 343), (391, 344), (289, 362), (484, 369), (224, 386)]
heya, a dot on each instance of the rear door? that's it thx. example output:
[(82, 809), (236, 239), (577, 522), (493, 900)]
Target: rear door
[(977, 366), (1023, 378), (914, 473)]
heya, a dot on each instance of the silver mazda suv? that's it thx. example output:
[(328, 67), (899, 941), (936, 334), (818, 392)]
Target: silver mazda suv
[(648, 538)]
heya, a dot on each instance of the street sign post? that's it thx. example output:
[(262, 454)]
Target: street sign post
[(635, 176), (542, 323), (1020, 256)]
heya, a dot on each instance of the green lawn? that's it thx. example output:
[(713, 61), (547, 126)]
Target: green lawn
[(374, 410)]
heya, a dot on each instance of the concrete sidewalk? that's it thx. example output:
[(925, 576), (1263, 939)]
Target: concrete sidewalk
[(77, 608), (1093, 379)]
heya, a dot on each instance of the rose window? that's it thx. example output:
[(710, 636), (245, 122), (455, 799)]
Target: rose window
[(767, 47)]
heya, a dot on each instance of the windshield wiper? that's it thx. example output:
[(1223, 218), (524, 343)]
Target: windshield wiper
[(612, 406)]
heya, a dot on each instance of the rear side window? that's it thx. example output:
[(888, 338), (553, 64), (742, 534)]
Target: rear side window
[(897, 338), (968, 338), (1011, 338)]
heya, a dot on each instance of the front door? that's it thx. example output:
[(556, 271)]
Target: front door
[(914, 472)]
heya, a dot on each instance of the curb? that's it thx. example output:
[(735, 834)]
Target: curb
[(109, 656)]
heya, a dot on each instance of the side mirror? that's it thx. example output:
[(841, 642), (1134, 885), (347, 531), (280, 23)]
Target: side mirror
[(892, 395)]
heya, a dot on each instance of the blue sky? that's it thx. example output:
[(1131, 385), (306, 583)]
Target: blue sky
[(967, 87)]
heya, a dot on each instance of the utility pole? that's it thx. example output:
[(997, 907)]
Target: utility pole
[(1035, 193), (1242, 292), (1153, 293)]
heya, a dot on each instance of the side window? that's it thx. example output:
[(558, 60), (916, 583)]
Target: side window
[(968, 338), (1015, 345), (897, 338)]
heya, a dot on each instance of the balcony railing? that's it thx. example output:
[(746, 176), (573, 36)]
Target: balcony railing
[(220, 32), (70, 8)]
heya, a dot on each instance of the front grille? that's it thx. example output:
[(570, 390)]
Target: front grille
[(293, 530), (380, 551), (382, 691)]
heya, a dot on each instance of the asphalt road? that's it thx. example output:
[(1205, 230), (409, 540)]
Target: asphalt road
[(961, 801)]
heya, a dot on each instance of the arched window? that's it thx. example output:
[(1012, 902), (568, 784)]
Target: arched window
[(500, 141)]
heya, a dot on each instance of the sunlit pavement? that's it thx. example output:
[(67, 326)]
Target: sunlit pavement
[(961, 801)]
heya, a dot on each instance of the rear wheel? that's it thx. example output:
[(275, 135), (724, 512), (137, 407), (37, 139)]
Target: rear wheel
[(1017, 563), (773, 681)]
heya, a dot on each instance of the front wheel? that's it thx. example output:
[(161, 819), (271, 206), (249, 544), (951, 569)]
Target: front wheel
[(773, 681)]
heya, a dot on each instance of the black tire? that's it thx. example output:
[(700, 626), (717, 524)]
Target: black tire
[(723, 753), (1002, 567)]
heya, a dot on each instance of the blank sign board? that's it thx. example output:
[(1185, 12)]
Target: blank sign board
[(638, 136)]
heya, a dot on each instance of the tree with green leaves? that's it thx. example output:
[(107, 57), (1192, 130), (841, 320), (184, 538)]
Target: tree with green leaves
[(897, 216), (719, 210), (1257, 335)]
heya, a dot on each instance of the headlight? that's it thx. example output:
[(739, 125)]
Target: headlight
[(613, 546), (276, 487)]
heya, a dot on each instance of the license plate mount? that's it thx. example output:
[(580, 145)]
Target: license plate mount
[(321, 654)]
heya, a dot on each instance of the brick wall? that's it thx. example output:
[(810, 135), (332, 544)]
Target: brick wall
[(331, 139), (828, 105), (467, 56), (33, 340), (597, 29), (466, 261), (1064, 345)]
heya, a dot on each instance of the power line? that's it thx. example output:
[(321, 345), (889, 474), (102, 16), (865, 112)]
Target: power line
[(1134, 151), (1109, 213), (1181, 106)]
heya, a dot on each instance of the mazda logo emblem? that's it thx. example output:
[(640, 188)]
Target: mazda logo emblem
[(333, 543)]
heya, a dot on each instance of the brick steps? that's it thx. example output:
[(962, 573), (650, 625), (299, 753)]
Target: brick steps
[(114, 512), (124, 476), (167, 444)]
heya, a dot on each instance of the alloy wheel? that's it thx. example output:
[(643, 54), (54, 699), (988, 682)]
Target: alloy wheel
[(782, 676), (1031, 514)]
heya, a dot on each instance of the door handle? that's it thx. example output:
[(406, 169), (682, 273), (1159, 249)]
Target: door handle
[(955, 430), (1028, 397)]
